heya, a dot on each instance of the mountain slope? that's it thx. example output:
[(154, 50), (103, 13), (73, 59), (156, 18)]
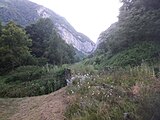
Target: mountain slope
[(134, 39), (24, 12)]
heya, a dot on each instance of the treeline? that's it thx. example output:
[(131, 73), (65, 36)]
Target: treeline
[(36, 44), (135, 37)]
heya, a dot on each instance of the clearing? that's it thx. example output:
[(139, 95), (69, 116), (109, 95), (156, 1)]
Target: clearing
[(46, 107)]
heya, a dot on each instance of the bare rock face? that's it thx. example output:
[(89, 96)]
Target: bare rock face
[(84, 45), (67, 32), (25, 12)]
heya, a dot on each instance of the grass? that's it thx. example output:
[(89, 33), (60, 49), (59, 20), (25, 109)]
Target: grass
[(133, 55), (8, 108), (32, 81), (80, 68), (113, 95)]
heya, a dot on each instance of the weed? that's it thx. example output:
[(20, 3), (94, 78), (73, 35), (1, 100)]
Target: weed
[(117, 95)]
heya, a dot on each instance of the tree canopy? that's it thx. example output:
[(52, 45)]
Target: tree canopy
[(38, 43), (48, 44), (138, 23), (14, 47)]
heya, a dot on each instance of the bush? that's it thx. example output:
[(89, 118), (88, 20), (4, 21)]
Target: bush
[(130, 93), (32, 81), (83, 69), (150, 103), (25, 73)]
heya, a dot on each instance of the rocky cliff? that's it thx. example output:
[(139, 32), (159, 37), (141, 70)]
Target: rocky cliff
[(24, 12)]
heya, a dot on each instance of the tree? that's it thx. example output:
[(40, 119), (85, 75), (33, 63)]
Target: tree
[(141, 20), (58, 51), (0, 28), (48, 44), (40, 33), (138, 23), (14, 47)]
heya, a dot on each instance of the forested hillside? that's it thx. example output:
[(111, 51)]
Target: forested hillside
[(38, 44), (122, 77), (135, 37), (119, 81), (25, 12), (29, 59), (35, 46)]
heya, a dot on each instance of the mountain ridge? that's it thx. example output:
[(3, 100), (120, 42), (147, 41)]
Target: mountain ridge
[(26, 12)]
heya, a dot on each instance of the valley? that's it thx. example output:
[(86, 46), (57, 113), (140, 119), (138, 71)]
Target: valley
[(49, 71)]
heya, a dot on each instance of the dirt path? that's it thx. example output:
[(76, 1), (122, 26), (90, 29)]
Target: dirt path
[(46, 107)]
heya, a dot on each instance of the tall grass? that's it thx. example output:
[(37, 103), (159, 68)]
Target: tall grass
[(32, 81), (117, 94), (80, 68)]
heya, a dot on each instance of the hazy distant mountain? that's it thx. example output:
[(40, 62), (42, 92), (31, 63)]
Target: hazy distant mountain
[(25, 12)]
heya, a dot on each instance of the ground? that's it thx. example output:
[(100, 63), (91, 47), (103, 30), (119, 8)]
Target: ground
[(46, 107)]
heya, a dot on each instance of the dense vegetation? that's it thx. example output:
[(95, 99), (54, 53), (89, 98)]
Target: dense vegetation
[(32, 81), (48, 45), (24, 53), (41, 44), (14, 47), (130, 93), (122, 77), (25, 12), (120, 81), (135, 37)]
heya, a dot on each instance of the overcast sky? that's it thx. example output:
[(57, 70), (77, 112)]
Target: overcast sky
[(90, 17)]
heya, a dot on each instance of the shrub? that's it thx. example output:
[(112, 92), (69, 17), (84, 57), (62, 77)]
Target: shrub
[(25, 73), (83, 69), (130, 93), (32, 81)]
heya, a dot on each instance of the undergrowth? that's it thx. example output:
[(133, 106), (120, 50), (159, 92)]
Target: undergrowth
[(117, 94), (32, 81)]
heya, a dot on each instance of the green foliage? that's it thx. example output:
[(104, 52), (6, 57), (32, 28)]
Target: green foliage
[(14, 47), (19, 80), (138, 24), (40, 33), (135, 55), (25, 12), (83, 69), (0, 28), (112, 95), (59, 52), (48, 44), (150, 106), (32, 81), (25, 74)]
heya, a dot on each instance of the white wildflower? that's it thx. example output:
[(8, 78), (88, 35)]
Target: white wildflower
[(72, 91)]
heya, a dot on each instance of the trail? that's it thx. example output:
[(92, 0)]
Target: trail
[(46, 107)]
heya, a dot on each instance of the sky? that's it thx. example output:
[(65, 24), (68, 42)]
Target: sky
[(90, 17)]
